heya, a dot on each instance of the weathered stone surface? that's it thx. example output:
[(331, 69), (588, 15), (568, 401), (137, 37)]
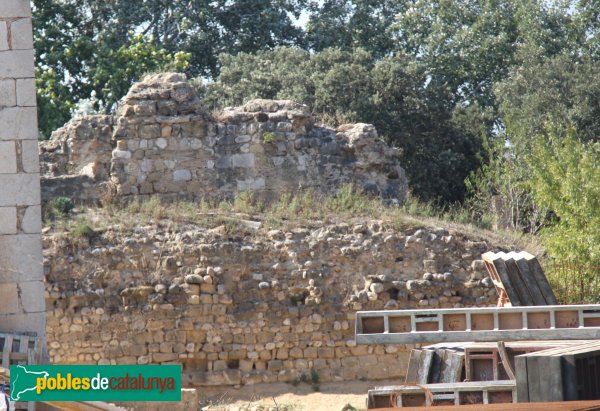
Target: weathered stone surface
[(16, 64), (22, 303), (8, 157), (265, 146), (8, 92), (19, 189), (232, 312), (8, 220), (26, 92), (21, 34), (18, 123), (3, 36), (14, 8)]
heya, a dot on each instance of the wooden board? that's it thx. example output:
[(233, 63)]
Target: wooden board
[(424, 366), (436, 394), (535, 291), (414, 361), (519, 278), (434, 365), (559, 374), (540, 278), (533, 406), (497, 269), (519, 283)]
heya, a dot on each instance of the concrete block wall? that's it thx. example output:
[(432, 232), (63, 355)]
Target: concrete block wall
[(22, 304)]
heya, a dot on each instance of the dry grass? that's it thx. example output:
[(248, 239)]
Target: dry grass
[(305, 209)]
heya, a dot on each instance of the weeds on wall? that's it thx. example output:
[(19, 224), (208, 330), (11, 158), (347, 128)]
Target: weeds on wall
[(312, 378), (247, 211)]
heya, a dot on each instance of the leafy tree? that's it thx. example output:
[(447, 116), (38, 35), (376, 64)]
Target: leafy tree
[(565, 175), (561, 90), (465, 44), (353, 24), (81, 44), (440, 142), (117, 70)]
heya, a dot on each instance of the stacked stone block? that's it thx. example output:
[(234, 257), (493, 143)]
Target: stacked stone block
[(22, 305), (165, 143), (253, 308)]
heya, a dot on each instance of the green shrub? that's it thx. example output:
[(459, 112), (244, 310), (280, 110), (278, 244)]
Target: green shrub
[(61, 206), (268, 137), (83, 229)]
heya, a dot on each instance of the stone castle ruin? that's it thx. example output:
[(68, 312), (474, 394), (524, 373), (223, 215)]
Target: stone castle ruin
[(165, 143), (243, 307), (256, 306), (22, 307)]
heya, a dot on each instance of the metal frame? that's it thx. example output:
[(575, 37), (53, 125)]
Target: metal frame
[(491, 324)]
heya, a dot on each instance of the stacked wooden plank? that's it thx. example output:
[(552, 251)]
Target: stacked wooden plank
[(552, 352), (435, 364), (533, 406), (519, 279), (476, 392), (559, 374), (485, 363), (496, 360)]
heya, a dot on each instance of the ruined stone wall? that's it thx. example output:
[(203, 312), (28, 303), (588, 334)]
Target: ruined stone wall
[(252, 305), (164, 142), (21, 276)]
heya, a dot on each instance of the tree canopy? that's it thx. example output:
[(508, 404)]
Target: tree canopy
[(462, 87)]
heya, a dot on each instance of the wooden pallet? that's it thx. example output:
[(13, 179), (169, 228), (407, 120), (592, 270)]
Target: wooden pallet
[(79, 406), (518, 279), (560, 374), (533, 406), (496, 361), (432, 365), (485, 361), (18, 349), (442, 394), (566, 322)]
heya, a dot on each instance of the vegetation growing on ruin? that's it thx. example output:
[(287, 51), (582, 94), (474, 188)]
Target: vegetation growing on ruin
[(247, 213), (484, 98)]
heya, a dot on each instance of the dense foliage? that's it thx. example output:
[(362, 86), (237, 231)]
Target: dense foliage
[(83, 45), (502, 93), (438, 139)]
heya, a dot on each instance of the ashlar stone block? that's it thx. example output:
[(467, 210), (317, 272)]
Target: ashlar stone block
[(9, 295), (20, 258), (18, 123), (3, 36), (15, 8), (19, 189), (26, 92), (16, 63), (30, 156), (8, 158), (32, 220), (30, 296), (21, 34), (8, 220), (35, 322), (8, 95)]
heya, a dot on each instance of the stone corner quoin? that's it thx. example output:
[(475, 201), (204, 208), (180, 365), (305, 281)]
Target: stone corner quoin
[(21, 270)]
